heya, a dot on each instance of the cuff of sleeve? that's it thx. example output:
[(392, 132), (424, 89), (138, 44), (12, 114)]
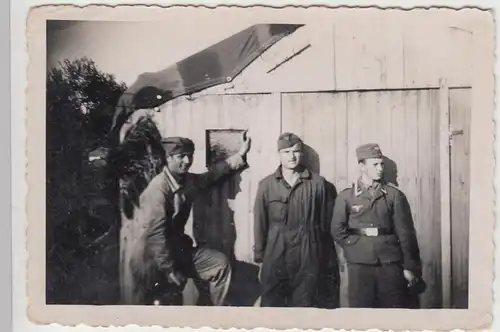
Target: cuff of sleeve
[(236, 162), (167, 271), (412, 266), (258, 256)]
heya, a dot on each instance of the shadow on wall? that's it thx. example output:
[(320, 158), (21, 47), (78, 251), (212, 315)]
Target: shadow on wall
[(213, 227), (311, 159), (391, 176), (390, 171), (328, 292)]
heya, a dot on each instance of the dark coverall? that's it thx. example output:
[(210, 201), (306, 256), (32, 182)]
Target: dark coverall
[(154, 243), (376, 262), (291, 228)]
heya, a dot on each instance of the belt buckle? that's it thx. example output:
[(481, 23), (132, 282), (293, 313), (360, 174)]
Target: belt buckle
[(371, 231)]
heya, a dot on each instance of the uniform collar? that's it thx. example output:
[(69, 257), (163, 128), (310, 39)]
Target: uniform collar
[(359, 187), (172, 182), (304, 173)]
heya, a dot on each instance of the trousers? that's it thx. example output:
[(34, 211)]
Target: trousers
[(377, 286), (289, 281), (204, 266)]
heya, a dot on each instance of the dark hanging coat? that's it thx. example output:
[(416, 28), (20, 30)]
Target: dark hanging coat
[(291, 230)]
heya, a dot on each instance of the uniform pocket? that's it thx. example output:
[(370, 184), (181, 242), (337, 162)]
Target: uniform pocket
[(389, 249), (392, 240), (350, 240), (278, 209)]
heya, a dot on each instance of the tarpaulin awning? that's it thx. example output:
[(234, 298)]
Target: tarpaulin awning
[(212, 66)]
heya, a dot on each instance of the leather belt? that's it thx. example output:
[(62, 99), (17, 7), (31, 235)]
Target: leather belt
[(371, 231)]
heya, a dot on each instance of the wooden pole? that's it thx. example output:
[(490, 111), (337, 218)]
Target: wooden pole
[(444, 146)]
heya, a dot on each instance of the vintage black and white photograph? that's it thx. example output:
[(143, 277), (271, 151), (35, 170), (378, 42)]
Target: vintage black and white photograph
[(321, 160)]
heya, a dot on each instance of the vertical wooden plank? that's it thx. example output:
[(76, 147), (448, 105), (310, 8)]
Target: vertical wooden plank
[(315, 116), (460, 160), (398, 129), (435, 269), (367, 115), (341, 141), (410, 183), (341, 180), (292, 114), (354, 135), (312, 113), (425, 222), (382, 110), (445, 193), (410, 177)]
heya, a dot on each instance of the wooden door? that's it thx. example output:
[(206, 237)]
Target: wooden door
[(459, 194), (406, 125)]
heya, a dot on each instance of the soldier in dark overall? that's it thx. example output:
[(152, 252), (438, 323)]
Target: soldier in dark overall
[(372, 221), (292, 212), (161, 256)]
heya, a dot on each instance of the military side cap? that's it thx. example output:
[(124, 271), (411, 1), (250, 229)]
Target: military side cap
[(370, 150), (177, 145), (287, 140)]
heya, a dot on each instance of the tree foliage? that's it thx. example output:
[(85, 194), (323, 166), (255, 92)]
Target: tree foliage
[(80, 102), (78, 91), (80, 105)]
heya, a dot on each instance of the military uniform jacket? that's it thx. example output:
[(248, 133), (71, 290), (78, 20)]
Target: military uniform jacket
[(387, 208), (148, 238)]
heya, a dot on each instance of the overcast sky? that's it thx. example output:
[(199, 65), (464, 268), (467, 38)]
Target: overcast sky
[(127, 49)]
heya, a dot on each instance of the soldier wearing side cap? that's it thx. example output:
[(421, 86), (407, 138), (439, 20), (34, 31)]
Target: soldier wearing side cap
[(372, 221), (164, 256), (292, 214)]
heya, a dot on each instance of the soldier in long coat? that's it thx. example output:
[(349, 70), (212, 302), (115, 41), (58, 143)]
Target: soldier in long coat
[(157, 256), (292, 214), (372, 221)]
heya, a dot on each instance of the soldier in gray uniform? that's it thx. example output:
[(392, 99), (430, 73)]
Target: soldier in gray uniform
[(372, 221)]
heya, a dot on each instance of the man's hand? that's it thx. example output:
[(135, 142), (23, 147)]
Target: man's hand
[(245, 144), (410, 277), (177, 279)]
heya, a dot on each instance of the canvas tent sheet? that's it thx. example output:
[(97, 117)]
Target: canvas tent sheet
[(214, 65)]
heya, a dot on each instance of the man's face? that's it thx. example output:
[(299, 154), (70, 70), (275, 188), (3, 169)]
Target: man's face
[(373, 168), (290, 157), (179, 164)]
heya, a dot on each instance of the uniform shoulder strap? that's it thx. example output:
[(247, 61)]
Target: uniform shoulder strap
[(390, 184), (349, 187), (348, 190)]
